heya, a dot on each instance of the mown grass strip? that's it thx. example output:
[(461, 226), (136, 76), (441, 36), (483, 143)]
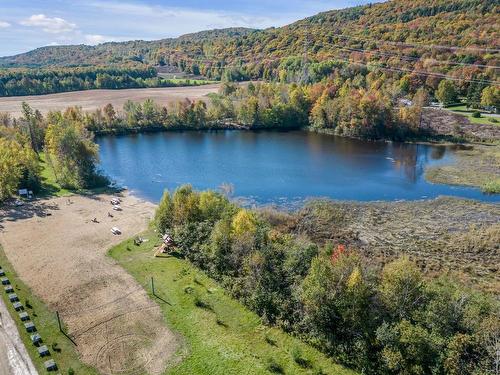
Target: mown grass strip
[(222, 336), (61, 349)]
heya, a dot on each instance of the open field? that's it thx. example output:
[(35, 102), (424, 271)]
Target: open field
[(92, 99), (59, 253), (223, 337), (443, 235)]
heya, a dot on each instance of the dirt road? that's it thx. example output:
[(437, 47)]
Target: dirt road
[(14, 359), (93, 99), (62, 258)]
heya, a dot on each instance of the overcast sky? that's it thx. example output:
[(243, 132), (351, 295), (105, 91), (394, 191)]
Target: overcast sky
[(25, 25)]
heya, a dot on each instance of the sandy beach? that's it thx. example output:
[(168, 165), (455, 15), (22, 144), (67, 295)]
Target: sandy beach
[(60, 253)]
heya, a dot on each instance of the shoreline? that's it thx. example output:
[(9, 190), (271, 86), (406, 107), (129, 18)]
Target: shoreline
[(384, 238)]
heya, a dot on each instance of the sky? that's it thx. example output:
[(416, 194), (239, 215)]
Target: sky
[(25, 25)]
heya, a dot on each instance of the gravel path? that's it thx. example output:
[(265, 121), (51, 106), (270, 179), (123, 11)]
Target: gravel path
[(14, 359)]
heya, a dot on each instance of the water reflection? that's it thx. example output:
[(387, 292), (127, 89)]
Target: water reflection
[(276, 166)]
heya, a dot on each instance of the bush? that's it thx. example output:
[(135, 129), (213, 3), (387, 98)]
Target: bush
[(71, 371), (202, 304), (274, 367), (270, 340), (476, 114), (299, 359), (221, 323), (491, 187)]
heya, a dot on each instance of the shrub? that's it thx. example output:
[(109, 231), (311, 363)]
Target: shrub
[(299, 358), (492, 187), (274, 367), (476, 114), (221, 323), (270, 340), (71, 371), (202, 304)]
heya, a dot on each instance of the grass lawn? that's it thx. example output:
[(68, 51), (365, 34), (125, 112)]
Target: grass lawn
[(485, 118), (61, 349), (51, 188), (221, 335)]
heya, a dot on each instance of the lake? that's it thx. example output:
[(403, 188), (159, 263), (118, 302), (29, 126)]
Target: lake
[(276, 167)]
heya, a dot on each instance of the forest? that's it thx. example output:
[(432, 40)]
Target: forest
[(20, 82), (456, 38), (314, 284), (350, 101)]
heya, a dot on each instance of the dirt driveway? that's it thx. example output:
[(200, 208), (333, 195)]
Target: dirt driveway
[(92, 99), (62, 258)]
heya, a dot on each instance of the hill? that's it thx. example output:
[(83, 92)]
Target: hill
[(115, 52), (430, 35)]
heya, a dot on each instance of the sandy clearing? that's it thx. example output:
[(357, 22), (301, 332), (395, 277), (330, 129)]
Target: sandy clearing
[(93, 99), (62, 258)]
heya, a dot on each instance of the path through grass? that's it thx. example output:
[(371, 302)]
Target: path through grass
[(61, 349), (222, 336)]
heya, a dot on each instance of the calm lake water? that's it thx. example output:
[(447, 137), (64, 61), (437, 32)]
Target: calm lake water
[(276, 167)]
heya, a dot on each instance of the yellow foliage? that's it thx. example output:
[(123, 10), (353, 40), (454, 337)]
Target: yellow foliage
[(355, 278), (244, 222)]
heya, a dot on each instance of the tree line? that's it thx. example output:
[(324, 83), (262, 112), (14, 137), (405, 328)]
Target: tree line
[(351, 101), (378, 321), (20, 82)]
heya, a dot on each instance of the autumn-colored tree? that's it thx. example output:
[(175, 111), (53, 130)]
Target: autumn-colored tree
[(446, 92), (490, 97)]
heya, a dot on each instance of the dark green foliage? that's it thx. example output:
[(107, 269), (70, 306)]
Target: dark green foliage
[(202, 304), (299, 358), (274, 367), (18, 82), (380, 322), (270, 340)]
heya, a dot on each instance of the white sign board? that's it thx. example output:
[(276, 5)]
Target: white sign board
[(23, 191)]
